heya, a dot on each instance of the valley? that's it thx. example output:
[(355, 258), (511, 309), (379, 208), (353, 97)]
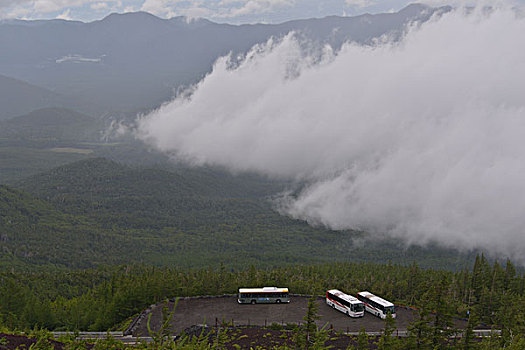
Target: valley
[(152, 167)]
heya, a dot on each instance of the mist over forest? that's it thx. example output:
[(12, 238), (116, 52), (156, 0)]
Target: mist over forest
[(144, 160), (415, 137), (404, 126)]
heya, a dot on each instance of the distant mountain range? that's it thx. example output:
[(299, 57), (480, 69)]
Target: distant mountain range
[(52, 136), (136, 60), (18, 98), (49, 124)]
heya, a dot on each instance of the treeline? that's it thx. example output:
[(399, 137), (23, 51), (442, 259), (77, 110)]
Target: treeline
[(103, 299)]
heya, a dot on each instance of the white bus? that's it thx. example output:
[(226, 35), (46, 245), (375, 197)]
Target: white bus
[(345, 303), (376, 305), (263, 295)]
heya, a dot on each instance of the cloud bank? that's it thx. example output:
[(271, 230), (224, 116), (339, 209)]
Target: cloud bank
[(421, 140), (61, 9), (224, 9)]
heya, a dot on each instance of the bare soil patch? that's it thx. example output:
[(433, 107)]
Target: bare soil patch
[(11, 341)]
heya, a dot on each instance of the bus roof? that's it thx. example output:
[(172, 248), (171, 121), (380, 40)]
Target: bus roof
[(349, 298), (375, 298), (263, 290)]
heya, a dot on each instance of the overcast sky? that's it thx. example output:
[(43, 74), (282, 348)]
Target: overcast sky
[(231, 11)]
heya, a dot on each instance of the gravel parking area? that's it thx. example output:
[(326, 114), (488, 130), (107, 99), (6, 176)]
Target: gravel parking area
[(212, 310)]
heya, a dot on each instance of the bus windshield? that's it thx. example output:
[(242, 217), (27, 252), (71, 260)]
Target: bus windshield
[(390, 309), (358, 307)]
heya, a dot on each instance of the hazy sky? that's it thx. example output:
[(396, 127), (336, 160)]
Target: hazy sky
[(232, 11), (421, 140)]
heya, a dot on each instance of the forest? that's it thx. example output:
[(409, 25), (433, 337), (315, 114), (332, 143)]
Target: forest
[(88, 245), (101, 216), (491, 294), (100, 212)]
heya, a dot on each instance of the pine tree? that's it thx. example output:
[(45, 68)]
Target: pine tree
[(468, 334), (387, 340), (443, 325), (419, 330), (310, 318)]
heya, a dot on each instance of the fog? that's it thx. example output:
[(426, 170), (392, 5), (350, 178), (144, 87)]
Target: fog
[(421, 140)]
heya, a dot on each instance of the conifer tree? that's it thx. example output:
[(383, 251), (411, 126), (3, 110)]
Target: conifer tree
[(310, 318), (387, 340), (468, 334), (419, 330)]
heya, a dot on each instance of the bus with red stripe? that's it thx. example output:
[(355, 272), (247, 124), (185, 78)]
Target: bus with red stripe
[(345, 303), (376, 305)]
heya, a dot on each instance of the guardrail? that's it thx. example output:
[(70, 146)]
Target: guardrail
[(128, 339)]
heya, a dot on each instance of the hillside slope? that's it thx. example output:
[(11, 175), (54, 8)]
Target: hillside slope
[(122, 214), (51, 124), (33, 233), (46, 138), (114, 213), (18, 97)]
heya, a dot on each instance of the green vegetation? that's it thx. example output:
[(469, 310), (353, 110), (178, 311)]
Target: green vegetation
[(51, 124), (97, 212), (100, 299), (87, 245), (18, 161), (29, 143)]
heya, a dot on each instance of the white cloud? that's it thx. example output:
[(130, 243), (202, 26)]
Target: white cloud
[(46, 8), (225, 9), (359, 3), (462, 3), (163, 8), (215, 10), (259, 6), (65, 15), (99, 6), (421, 140)]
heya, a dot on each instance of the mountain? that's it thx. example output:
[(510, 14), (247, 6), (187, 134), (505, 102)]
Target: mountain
[(136, 60), (97, 211), (18, 98), (99, 176), (46, 138), (50, 137), (52, 124)]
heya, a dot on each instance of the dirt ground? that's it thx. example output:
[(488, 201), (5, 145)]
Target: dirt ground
[(11, 341), (198, 311)]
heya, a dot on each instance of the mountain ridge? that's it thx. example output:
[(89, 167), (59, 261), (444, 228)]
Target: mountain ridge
[(138, 60), (19, 97)]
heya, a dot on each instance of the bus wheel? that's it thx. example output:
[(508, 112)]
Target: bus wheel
[(278, 301), (253, 302)]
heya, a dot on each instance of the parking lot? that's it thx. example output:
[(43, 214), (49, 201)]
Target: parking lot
[(212, 310)]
